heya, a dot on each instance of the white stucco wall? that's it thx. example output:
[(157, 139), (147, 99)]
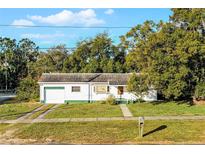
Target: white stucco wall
[(87, 92), (95, 96), (69, 95), (82, 95), (151, 96)]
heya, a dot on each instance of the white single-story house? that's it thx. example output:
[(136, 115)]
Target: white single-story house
[(86, 87)]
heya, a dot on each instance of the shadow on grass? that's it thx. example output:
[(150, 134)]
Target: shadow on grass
[(155, 130)]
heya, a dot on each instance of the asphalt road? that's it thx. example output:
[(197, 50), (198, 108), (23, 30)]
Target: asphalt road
[(4, 98)]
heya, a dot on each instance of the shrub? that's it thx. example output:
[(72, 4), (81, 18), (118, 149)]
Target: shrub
[(102, 102), (28, 90), (111, 100), (139, 101), (200, 91)]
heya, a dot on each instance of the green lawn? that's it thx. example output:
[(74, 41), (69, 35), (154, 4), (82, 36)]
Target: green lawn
[(13, 111), (114, 132), (38, 113), (170, 108), (85, 110)]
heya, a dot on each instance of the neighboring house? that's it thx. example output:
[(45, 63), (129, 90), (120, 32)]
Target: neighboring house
[(86, 87)]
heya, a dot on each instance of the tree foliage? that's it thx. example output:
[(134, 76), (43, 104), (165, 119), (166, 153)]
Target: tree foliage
[(96, 55), (28, 89), (200, 91), (172, 54), (137, 85), (14, 60)]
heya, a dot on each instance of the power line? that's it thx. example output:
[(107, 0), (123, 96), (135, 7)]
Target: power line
[(57, 48), (73, 27), (47, 48), (73, 48)]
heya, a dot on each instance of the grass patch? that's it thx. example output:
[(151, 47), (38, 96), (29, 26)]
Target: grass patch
[(169, 108), (38, 113), (13, 111), (115, 132), (85, 111)]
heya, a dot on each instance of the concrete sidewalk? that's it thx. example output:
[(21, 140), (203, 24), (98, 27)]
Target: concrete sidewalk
[(126, 112), (58, 120)]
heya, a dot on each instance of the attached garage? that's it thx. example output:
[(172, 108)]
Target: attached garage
[(54, 95)]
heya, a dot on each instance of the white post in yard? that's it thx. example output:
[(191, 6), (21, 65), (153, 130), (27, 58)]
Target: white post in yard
[(141, 126)]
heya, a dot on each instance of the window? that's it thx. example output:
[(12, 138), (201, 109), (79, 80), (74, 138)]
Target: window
[(101, 89), (75, 88)]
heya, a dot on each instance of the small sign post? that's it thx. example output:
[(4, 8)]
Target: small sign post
[(141, 126)]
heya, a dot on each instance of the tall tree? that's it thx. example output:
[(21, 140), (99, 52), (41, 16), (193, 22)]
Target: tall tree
[(96, 55), (170, 53), (50, 61), (15, 58)]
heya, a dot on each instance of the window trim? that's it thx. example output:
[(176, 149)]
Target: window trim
[(75, 87), (107, 89)]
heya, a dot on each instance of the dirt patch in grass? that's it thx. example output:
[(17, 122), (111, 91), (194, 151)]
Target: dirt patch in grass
[(3, 128)]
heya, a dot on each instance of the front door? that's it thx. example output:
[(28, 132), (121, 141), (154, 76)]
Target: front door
[(120, 90)]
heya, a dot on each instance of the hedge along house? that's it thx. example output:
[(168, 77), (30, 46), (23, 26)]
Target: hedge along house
[(86, 87)]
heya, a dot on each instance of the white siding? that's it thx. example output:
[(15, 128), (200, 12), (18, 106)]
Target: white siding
[(95, 96), (82, 95), (87, 93), (151, 96), (69, 95), (41, 92)]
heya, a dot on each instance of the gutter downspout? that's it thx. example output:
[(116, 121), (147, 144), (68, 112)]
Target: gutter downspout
[(108, 82), (89, 92)]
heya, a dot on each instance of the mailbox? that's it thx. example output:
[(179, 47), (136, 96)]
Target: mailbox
[(141, 120), (141, 126)]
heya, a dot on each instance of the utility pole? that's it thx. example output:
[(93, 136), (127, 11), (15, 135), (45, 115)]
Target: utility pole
[(6, 68), (6, 80), (6, 76)]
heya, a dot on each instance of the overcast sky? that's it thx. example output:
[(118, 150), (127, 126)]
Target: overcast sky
[(48, 37)]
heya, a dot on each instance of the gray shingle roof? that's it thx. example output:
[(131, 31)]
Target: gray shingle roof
[(112, 78)]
